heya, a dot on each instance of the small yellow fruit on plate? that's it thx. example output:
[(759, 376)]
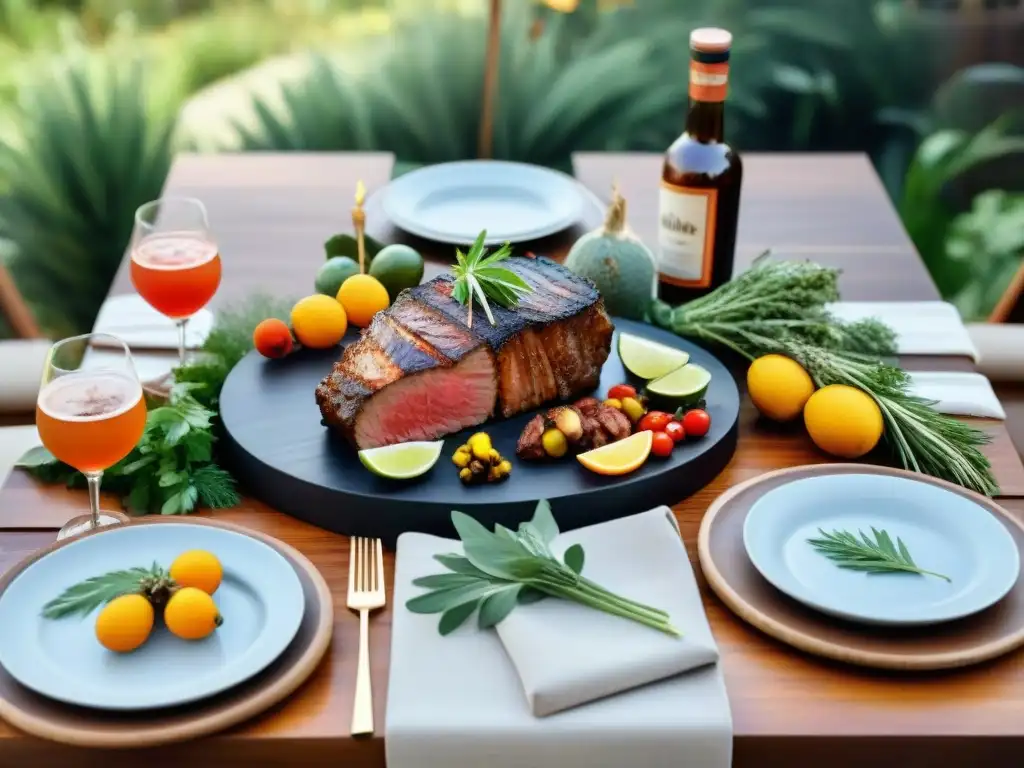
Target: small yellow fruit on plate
[(191, 614), (621, 457), (779, 387), (843, 421), (318, 321), (197, 568), (363, 296), (125, 623)]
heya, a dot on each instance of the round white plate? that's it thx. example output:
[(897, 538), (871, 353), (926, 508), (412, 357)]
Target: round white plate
[(452, 202), (944, 532), (260, 599)]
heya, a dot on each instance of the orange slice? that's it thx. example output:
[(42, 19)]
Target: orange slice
[(619, 458)]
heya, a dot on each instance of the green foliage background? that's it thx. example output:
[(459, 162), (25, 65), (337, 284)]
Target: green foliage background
[(96, 95)]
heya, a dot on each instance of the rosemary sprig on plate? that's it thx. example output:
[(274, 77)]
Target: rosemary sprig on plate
[(83, 598), (878, 555), (477, 276), (501, 570)]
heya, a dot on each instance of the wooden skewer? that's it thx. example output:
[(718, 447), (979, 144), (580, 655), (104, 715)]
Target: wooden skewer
[(485, 144)]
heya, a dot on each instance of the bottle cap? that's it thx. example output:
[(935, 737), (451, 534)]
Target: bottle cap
[(710, 40)]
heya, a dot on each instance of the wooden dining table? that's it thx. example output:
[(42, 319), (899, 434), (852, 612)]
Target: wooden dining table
[(271, 214)]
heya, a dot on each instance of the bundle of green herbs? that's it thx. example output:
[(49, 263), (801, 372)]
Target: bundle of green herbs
[(780, 307)]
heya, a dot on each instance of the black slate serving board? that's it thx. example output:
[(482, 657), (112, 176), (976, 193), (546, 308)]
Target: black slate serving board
[(276, 445)]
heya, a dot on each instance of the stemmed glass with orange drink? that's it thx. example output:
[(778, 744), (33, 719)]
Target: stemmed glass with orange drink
[(90, 414), (175, 262)]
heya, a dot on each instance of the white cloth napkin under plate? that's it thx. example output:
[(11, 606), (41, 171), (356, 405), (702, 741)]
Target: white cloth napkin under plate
[(459, 700), (142, 327), (922, 327), (958, 393)]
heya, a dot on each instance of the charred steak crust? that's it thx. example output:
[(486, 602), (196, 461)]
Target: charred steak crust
[(551, 346)]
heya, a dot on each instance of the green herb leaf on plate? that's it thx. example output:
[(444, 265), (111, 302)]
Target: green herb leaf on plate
[(573, 558), (498, 605), (870, 555), (83, 598)]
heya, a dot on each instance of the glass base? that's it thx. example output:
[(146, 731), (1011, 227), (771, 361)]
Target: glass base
[(83, 523)]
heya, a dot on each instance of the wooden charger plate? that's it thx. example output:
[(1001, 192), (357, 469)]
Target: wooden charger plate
[(84, 727), (723, 558)]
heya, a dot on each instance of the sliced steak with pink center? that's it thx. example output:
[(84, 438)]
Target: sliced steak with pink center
[(419, 372)]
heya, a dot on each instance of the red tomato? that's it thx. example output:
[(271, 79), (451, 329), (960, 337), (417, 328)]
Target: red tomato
[(696, 423), (653, 421), (662, 445), (620, 391), (676, 431)]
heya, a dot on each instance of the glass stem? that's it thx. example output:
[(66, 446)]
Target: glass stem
[(93, 479), (181, 340)]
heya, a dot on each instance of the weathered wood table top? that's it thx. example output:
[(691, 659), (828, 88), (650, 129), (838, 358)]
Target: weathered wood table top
[(271, 214)]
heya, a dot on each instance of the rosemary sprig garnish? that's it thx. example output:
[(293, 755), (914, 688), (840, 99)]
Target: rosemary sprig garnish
[(879, 555), (477, 276), (83, 598)]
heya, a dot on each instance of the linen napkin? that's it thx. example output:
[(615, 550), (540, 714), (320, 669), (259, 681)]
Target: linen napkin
[(460, 700), (142, 327), (922, 327), (958, 393), (567, 654)]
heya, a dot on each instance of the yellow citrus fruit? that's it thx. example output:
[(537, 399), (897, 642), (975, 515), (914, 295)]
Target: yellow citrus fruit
[(197, 568), (363, 296), (621, 457), (843, 421), (318, 321), (779, 387), (191, 614), (125, 623)]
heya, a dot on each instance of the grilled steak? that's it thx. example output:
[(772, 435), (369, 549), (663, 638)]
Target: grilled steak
[(418, 372)]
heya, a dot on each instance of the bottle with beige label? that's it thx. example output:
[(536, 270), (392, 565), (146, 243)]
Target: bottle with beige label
[(700, 182)]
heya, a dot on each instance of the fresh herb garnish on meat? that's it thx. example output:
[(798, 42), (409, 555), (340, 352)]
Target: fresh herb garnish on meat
[(476, 275)]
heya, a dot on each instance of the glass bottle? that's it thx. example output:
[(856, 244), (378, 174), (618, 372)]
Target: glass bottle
[(700, 182)]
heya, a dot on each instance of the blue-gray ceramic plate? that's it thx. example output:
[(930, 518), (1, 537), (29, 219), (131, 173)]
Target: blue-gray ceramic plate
[(944, 532), (260, 599), (452, 202)]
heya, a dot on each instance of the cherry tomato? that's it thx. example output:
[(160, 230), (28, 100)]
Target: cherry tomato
[(661, 445), (653, 421), (676, 431), (621, 391), (696, 423)]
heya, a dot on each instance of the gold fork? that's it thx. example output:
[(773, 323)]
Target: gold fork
[(365, 593)]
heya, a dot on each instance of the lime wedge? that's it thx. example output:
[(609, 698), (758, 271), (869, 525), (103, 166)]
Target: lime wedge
[(649, 359), (680, 388), (402, 461)]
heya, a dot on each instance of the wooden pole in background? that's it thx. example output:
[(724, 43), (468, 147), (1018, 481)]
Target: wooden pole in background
[(485, 144), (14, 308)]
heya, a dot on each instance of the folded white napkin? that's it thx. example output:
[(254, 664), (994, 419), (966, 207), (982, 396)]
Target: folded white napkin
[(958, 393), (459, 700), (567, 654), (922, 327), (21, 371), (1000, 350), (142, 327)]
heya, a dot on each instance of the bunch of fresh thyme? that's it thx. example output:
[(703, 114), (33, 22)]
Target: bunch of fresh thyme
[(780, 307)]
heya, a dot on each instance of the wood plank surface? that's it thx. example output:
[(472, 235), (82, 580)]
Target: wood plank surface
[(271, 214)]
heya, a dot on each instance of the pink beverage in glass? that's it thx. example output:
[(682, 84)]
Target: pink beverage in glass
[(177, 273)]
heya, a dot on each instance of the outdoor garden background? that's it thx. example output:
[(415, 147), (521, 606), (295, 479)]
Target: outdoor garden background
[(96, 96)]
